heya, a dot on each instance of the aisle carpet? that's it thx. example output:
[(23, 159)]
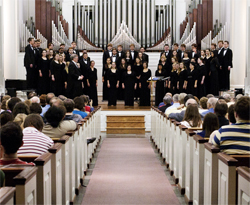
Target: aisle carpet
[(128, 172)]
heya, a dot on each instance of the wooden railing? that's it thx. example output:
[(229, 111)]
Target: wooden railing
[(44, 43), (201, 171), (191, 38), (60, 172)]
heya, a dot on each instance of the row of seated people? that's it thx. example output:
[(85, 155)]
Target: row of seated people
[(29, 126), (204, 155)]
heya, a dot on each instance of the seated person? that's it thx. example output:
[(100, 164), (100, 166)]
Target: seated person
[(192, 117), (176, 102), (35, 108), (179, 116), (203, 104), (210, 124), (11, 103), (235, 138), (230, 114), (5, 117), (56, 127), (221, 110), (34, 141), (69, 105), (79, 107), (87, 103), (162, 103), (49, 96), (167, 103), (211, 102), (20, 112), (11, 138)]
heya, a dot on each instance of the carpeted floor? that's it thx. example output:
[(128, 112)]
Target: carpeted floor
[(128, 172)]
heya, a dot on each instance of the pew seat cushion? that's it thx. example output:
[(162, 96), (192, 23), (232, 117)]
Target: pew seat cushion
[(15, 161)]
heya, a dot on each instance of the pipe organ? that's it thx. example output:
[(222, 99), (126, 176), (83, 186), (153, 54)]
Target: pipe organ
[(101, 21)]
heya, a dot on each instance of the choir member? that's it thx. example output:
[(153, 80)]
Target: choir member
[(84, 66), (74, 46), (172, 84), (120, 55), (105, 70), (39, 50), (208, 80), (57, 76), (175, 55), (51, 46), (213, 49), (178, 52), (182, 79), (133, 53), (227, 57), (29, 63), (107, 53), (159, 85), (140, 56), (112, 84), (114, 57), (145, 86), (168, 54), (92, 83), (201, 77), (122, 69), (144, 55), (44, 74), (65, 74), (192, 79), (75, 84), (186, 60), (213, 74), (194, 54), (164, 64), (183, 50), (69, 53), (128, 58), (137, 68), (203, 54), (129, 85), (51, 55)]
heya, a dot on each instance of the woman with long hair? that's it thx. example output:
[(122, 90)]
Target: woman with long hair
[(145, 86), (128, 58), (192, 117), (122, 69), (213, 74), (137, 68), (105, 71), (182, 80), (201, 76), (208, 80), (172, 84), (192, 80), (186, 60), (92, 83), (159, 85), (112, 84), (210, 124)]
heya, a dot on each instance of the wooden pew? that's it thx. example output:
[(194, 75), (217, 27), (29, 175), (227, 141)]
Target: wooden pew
[(176, 142), (24, 179), (227, 176), (243, 185), (211, 174), (198, 168), (7, 195), (171, 148), (167, 145)]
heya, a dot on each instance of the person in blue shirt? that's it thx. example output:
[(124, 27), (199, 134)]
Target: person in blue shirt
[(79, 107), (210, 106), (49, 96), (210, 124)]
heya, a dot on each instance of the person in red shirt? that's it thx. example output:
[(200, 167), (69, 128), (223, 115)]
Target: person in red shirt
[(11, 139)]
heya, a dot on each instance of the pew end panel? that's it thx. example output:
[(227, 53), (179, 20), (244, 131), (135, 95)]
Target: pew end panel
[(7, 195), (243, 185)]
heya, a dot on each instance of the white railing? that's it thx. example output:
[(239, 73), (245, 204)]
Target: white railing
[(160, 46), (82, 44), (42, 38), (24, 34), (62, 33), (191, 39), (206, 41), (57, 39), (185, 34)]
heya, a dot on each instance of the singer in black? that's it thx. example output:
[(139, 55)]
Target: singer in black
[(129, 85), (112, 84), (145, 85), (159, 85), (92, 83)]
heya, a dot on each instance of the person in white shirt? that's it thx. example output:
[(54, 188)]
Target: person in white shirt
[(176, 102)]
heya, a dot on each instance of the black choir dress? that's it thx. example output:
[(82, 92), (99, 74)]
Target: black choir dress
[(159, 89), (129, 80), (173, 82), (145, 91), (191, 78), (105, 91), (129, 61), (186, 62), (112, 91), (44, 81), (120, 94), (201, 71), (57, 86), (92, 77), (138, 70), (182, 79), (208, 79), (214, 85)]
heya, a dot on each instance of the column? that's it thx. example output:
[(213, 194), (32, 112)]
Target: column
[(96, 22), (105, 21), (100, 24), (238, 42), (180, 15), (152, 22), (247, 78), (68, 16), (2, 84)]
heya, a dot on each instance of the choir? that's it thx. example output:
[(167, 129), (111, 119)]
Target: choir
[(126, 73)]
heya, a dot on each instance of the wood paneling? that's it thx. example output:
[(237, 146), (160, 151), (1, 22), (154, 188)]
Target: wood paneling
[(49, 26), (57, 15), (199, 25), (53, 14), (126, 124), (114, 130), (38, 14), (195, 17), (210, 15), (205, 18), (125, 118), (43, 28), (191, 20), (181, 30)]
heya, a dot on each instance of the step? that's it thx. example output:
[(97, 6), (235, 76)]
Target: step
[(125, 118), (118, 130), (129, 124)]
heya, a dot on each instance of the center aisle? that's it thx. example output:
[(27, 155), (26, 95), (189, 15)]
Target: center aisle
[(128, 172)]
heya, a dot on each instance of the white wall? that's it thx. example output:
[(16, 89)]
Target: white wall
[(180, 15), (2, 84), (68, 15), (247, 79)]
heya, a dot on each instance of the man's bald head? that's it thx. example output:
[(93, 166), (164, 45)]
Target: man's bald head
[(191, 101)]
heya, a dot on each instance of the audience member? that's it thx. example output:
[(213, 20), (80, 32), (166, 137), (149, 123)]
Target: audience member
[(20, 112), (162, 103), (34, 141), (55, 101), (49, 96), (79, 107), (210, 124), (210, 96), (235, 138), (210, 106), (11, 138), (176, 102), (69, 105), (231, 116), (5, 117), (56, 127), (12, 102), (192, 116), (31, 95), (203, 103), (42, 100), (35, 108), (221, 110), (167, 101), (3, 106), (35, 99)]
